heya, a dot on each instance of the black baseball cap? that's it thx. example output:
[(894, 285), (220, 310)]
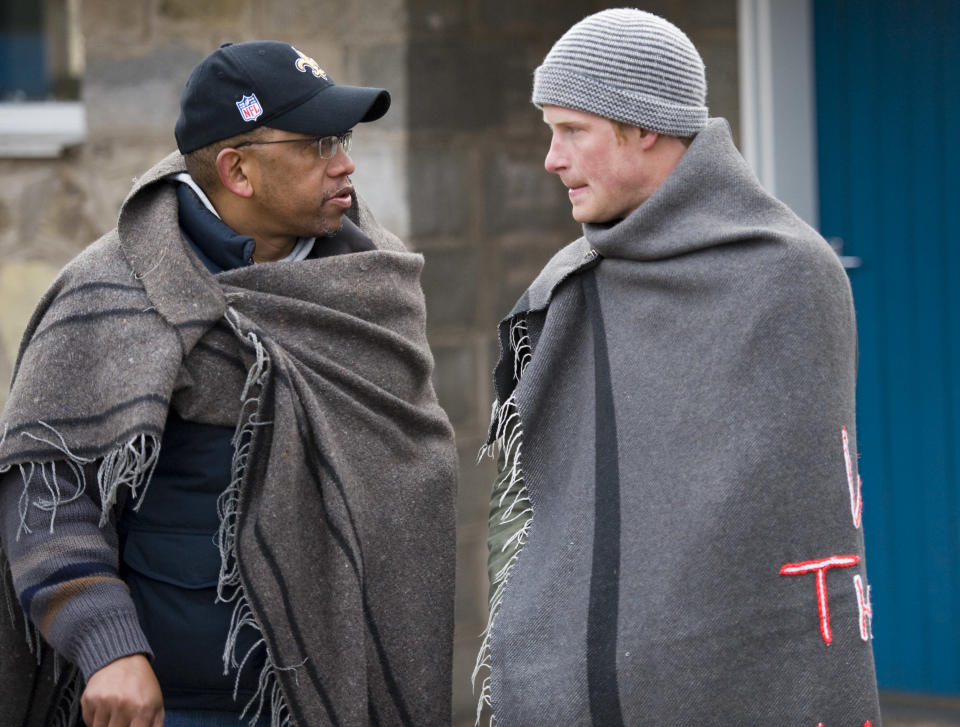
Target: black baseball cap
[(241, 86)]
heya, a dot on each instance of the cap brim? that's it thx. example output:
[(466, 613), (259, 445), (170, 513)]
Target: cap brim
[(334, 110)]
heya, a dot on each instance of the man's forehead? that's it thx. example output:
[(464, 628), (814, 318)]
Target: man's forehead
[(559, 115)]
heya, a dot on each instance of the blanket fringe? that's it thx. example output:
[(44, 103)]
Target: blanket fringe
[(229, 585), (48, 474), (131, 465), (508, 441), (68, 708), (268, 687), (522, 350), (3, 438)]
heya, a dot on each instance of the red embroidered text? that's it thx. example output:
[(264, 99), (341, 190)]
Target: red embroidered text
[(820, 567), (866, 609), (856, 496)]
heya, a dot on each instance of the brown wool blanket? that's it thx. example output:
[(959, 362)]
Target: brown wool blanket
[(337, 533)]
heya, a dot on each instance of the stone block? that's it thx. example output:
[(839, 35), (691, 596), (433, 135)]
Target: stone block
[(519, 194), (49, 215), (677, 12), (139, 94), (438, 190), (451, 283), (6, 219), (523, 122), (330, 19), (126, 111), (539, 17), (711, 14), (381, 176), (719, 53), (60, 215), (454, 379), (112, 164), (453, 86), (208, 11), (14, 175), (383, 66), (171, 62), (119, 21), (437, 17)]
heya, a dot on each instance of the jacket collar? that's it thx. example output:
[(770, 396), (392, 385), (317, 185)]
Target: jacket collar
[(218, 246)]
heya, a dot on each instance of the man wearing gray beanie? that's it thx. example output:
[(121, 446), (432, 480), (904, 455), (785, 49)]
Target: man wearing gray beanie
[(675, 532)]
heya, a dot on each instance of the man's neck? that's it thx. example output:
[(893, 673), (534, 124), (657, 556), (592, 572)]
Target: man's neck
[(267, 247), (267, 250)]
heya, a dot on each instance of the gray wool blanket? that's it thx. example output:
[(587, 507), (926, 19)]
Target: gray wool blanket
[(676, 407), (337, 532)]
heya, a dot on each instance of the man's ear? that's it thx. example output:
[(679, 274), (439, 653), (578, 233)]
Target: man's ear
[(233, 168), (648, 139)]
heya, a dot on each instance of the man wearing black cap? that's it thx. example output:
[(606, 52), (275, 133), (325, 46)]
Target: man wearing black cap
[(226, 486)]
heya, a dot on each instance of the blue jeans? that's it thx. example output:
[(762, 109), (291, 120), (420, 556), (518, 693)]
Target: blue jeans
[(203, 718)]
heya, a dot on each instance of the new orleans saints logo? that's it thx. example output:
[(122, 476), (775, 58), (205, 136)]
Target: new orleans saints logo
[(304, 62)]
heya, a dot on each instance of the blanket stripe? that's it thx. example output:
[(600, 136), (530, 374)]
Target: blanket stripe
[(604, 605), (320, 464)]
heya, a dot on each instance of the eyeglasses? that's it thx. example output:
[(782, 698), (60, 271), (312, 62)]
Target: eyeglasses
[(326, 145)]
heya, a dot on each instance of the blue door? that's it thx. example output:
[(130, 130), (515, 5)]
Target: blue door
[(888, 107)]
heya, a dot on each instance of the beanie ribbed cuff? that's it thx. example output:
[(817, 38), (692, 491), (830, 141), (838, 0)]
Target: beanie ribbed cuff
[(557, 87)]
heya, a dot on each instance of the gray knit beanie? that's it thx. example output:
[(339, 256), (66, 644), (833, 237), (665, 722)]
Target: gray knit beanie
[(627, 65)]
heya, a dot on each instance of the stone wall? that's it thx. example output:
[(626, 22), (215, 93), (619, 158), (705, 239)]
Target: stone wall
[(455, 169)]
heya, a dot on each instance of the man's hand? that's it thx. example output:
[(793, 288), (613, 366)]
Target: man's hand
[(124, 693)]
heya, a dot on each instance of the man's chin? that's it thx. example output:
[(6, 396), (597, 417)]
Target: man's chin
[(329, 228), (584, 216), (594, 217)]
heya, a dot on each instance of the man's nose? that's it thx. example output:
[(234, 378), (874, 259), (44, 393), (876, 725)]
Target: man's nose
[(341, 164), (555, 160)]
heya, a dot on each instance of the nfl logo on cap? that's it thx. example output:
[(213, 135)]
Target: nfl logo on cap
[(250, 108)]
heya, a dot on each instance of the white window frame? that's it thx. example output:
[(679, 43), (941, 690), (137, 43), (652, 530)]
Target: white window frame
[(40, 129), (777, 100)]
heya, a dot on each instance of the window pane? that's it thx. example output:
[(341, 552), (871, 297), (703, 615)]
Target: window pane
[(23, 71), (39, 50)]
